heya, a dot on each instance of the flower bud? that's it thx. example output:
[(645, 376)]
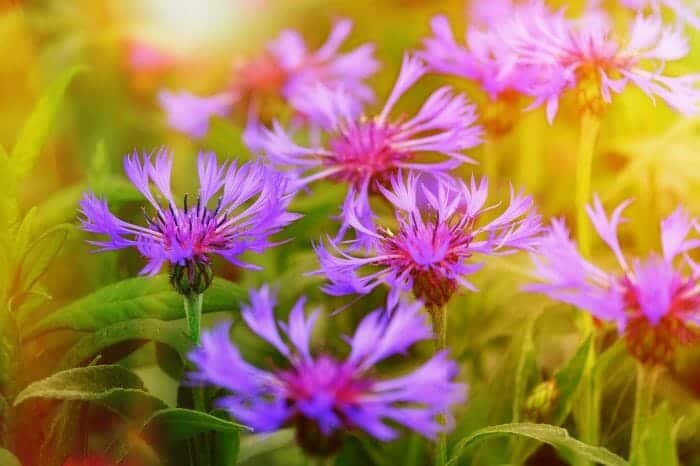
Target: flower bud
[(192, 278)]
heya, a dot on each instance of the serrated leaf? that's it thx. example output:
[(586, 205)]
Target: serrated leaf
[(36, 130), (555, 436), (110, 385), (134, 298), (169, 333), (8, 459)]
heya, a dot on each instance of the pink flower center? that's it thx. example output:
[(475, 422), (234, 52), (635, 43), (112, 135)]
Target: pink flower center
[(364, 151)]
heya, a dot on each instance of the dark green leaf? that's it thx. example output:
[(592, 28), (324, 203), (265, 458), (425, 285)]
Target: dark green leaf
[(134, 298), (552, 435), (178, 424), (110, 385), (169, 333), (36, 129)]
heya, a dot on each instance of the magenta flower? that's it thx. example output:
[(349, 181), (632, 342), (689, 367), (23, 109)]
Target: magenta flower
[(324, 397), (586, 55), (365, 152), (431, 251), (653, 302), (251, 206), (283, 71)]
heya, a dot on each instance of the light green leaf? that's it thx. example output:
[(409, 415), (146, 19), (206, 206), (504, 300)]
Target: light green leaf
[(36, 130), (110, 385), (179, 424), (134, 298), (169, 333), (658, 445), (568, 379), (8, 459), (552, 435), (40, 255)]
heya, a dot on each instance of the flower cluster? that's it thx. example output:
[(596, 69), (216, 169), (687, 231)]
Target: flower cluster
[(438, 233), (251, 206), (542, 53), (365, 152), (653, 302), (286, 71), (323, 396)]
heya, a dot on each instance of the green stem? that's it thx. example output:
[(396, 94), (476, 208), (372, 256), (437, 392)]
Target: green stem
[(193, 314), (590, 127), (439, 317), (643, 400)]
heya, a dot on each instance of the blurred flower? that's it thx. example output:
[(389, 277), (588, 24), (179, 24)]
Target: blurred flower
[(251, 207), (322, 396), (284, 71), (365, 151), (685, 11), (431, 252), (584, 54), (654, 304)]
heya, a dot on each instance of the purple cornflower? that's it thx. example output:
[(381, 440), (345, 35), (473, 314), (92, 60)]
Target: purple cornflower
[(251, 206), (584, 54), (285, 70), (365, 152), (438, 231), (654, 302), (322, 396)]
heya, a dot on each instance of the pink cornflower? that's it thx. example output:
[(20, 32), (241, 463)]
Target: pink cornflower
[(585, 54), (432, 249), (365, 151), (282, 72), (654, 302), (686, 11)]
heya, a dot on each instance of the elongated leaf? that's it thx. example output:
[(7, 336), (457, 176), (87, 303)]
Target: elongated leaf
[(568, 379), (8, 459), (659, 440), (552, 435), (179, 423), (110, 385), (40, 255), (36, 129), (134, 298), (169, 333)]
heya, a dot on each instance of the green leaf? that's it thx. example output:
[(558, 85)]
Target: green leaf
[(40, 255), (552, 435), (568, 379), (179, 424), (134, 298), (658, 444), (169, 333), (36, 130), (110, 385), (256, 445), (8, 459)]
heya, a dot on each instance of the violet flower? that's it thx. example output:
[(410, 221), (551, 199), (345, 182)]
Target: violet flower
[(364, 152), (322, 396), (655, 302), (283, 71), (431, 250), (251, 205)]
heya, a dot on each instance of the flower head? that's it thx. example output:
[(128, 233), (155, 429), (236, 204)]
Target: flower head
[(431, 251), (365, 152), (285, 70), (250, 207), (585, 54), (321, 395), (685, 11), (655, 304)]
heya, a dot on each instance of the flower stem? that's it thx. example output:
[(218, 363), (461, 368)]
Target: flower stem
[(439, 317), (643, 400), (590, 127), (193, 313)]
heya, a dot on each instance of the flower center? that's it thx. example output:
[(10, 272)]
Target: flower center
[(655, 342), (260, 76), (365, 151)]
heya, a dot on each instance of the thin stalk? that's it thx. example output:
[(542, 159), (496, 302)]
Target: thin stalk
[(590, 127), (439, 317), (193, 314), (643, 400)]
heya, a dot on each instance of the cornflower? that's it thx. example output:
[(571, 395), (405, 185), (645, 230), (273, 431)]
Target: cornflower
[(324, 397)]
